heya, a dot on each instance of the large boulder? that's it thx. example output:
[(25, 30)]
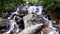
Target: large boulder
[(32, 19), (31, 29)]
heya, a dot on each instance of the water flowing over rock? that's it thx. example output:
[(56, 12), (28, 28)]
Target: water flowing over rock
[(46, 21), (35, 9), (33, 21), (12, 23)]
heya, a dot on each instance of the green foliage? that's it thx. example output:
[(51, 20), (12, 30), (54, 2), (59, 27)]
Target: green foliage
[(1, 25), (8, 4), (31, 1), (48, 4)]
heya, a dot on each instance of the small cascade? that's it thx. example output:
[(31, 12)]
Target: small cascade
[(54, 30), (49, 23), (32, 9), (13, 25), (14, 13), (35, 10), (39, 10), (29, 27)]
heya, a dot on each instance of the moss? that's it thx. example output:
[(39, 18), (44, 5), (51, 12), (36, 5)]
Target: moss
[(1, 25)]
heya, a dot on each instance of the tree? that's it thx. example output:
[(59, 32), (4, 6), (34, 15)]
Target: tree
[(47, 4), (7, 5)]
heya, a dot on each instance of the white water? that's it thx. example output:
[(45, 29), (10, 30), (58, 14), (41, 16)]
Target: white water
[(33, 9), (14, 13), (13, 24), (50, 24), (53, 31), (40, 10)]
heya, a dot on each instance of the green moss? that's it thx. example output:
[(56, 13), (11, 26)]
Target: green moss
[(1, 25)]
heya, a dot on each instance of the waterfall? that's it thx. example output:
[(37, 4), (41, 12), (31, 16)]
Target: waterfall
[(12, 23), (49, 23), (29, 27), (14, 13), (32, 9), (35, 9), (39, 10)]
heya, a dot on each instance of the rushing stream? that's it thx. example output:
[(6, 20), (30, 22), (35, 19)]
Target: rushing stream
[(13, 25), (37, 10)]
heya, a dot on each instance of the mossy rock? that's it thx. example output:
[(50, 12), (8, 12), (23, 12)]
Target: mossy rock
[(1, 26)]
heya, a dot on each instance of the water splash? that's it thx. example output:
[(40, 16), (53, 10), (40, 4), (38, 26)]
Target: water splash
[(40, 8), (13, 24), (14, 13), (35, 9), (31, 9)]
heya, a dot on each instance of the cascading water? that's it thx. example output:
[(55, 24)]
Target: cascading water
[(32, 9), (14, 13), (37, 10), (13, 24), (49, 23)]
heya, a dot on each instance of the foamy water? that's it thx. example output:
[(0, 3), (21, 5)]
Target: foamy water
[(13, 24)]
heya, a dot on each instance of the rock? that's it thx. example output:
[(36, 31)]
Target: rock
[(31, 29), (27, 20), (32, 19)]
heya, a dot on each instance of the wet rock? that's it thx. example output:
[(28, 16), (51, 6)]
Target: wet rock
[(31, 29), (32, 19)]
